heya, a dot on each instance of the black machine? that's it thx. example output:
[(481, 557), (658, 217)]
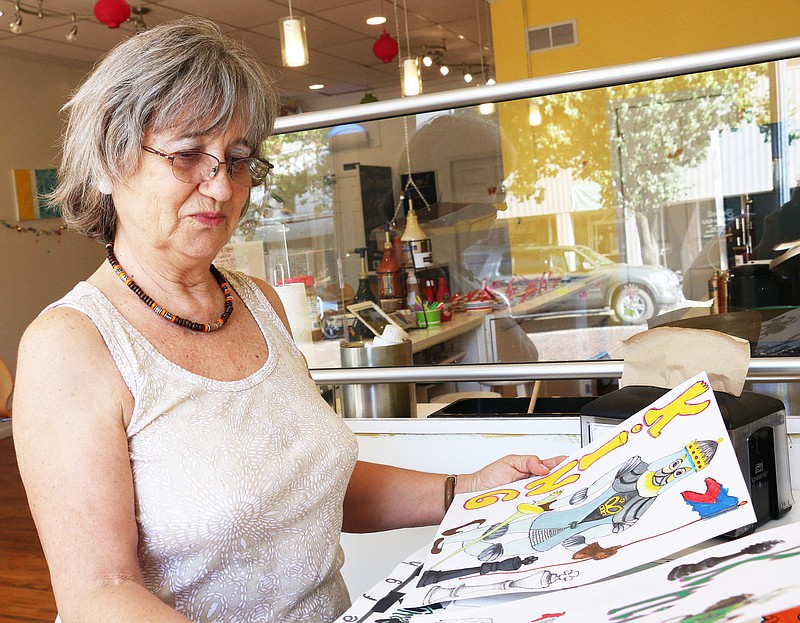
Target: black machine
[(756, 425)]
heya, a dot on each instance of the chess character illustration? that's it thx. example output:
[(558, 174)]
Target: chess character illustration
[(611, 504)]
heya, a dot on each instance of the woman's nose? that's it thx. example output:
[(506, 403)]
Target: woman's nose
[(220, 186)]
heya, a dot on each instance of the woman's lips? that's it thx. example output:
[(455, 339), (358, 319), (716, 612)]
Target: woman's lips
[(210, 219)]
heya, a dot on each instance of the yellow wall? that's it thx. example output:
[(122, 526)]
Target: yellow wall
[(612, 32)]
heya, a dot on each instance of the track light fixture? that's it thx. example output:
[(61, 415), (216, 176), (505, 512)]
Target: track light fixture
[(134, 15), (73, 30), (137, 17), (433, 56), (16, 25)]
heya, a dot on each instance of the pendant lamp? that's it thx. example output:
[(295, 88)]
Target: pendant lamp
[(294, 48), (410, 74), (412, 77), (534, 113), (112, 13)]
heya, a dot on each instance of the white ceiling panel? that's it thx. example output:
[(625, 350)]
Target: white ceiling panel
[(236, 13), (355, 15)]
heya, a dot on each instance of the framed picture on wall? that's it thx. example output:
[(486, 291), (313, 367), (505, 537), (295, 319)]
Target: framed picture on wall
[(30, 188)]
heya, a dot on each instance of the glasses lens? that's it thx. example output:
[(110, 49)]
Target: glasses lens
[(193, 167), (250, 171)]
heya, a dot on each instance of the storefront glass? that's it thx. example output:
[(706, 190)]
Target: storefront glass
[(577, 218)]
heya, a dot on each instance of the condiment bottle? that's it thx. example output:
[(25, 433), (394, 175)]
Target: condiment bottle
[(443, 297), (447, 309), (713, 291), (412, 291), (363, 294), (722, 291), (390, 277), (417, 251), (441, 289)]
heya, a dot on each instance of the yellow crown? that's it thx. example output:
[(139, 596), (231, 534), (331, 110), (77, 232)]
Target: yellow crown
[(701, 452)]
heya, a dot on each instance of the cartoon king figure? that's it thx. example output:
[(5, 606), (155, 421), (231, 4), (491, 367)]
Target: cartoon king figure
[(611, 504)]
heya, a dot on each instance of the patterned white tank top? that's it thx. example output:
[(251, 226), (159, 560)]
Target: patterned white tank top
[(239, 485)]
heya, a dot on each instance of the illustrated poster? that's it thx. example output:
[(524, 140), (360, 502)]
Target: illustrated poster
[(666, 478), (750, 579)]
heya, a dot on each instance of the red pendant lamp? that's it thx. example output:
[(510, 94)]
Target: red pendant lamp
[(385, 48), (112, 13)]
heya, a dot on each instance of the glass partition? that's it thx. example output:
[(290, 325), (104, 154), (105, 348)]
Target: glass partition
[(559, 223)]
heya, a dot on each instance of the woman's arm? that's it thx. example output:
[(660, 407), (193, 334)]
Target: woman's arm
[(69, 434), (381, 497)]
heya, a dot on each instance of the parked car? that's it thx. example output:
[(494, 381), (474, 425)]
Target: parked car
[(633, 293)]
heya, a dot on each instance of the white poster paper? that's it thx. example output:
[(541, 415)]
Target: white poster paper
[(665, 479)]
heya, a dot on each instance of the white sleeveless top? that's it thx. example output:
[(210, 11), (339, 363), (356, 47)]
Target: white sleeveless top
[(239, 485)]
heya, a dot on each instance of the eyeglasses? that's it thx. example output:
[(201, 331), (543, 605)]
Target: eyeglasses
[(196, 167)]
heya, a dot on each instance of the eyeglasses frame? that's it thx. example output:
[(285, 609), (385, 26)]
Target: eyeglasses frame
[(228, 164)]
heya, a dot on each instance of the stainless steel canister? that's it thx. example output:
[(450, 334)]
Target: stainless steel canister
[(377, 400)]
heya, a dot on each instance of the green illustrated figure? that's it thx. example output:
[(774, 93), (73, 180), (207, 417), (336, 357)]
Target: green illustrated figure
[(719, 611)]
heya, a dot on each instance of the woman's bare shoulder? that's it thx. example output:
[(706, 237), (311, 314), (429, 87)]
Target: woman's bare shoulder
[(60, 351), (61, 329), (273, 299)]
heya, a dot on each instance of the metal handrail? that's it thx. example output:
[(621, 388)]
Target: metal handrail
[(775, 369), (546, 85)]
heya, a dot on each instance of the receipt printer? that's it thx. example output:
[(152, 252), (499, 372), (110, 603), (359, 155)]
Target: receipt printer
[(756, 424)]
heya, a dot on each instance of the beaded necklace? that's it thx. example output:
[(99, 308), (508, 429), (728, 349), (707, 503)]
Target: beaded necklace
[(174, 318)]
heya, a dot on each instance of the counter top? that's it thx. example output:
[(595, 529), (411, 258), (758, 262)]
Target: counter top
[(325, 354)]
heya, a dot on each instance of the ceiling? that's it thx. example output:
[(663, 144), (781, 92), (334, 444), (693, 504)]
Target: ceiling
[(340, 42)]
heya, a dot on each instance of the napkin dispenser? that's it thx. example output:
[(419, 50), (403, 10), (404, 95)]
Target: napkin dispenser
[(756, 425)]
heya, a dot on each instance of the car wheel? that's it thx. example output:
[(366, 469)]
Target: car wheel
[(633, 304)]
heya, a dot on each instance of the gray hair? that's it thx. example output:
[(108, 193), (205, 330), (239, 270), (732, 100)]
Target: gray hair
[(184, 76)]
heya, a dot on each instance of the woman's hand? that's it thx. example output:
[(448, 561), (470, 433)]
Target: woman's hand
[(508, 469)]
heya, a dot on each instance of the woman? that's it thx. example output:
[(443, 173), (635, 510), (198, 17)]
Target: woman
[(188, 469)]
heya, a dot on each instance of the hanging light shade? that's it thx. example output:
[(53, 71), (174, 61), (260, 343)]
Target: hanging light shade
[(385, 48), (412, 77), (294, 48), (112, 13), (534, 114)]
